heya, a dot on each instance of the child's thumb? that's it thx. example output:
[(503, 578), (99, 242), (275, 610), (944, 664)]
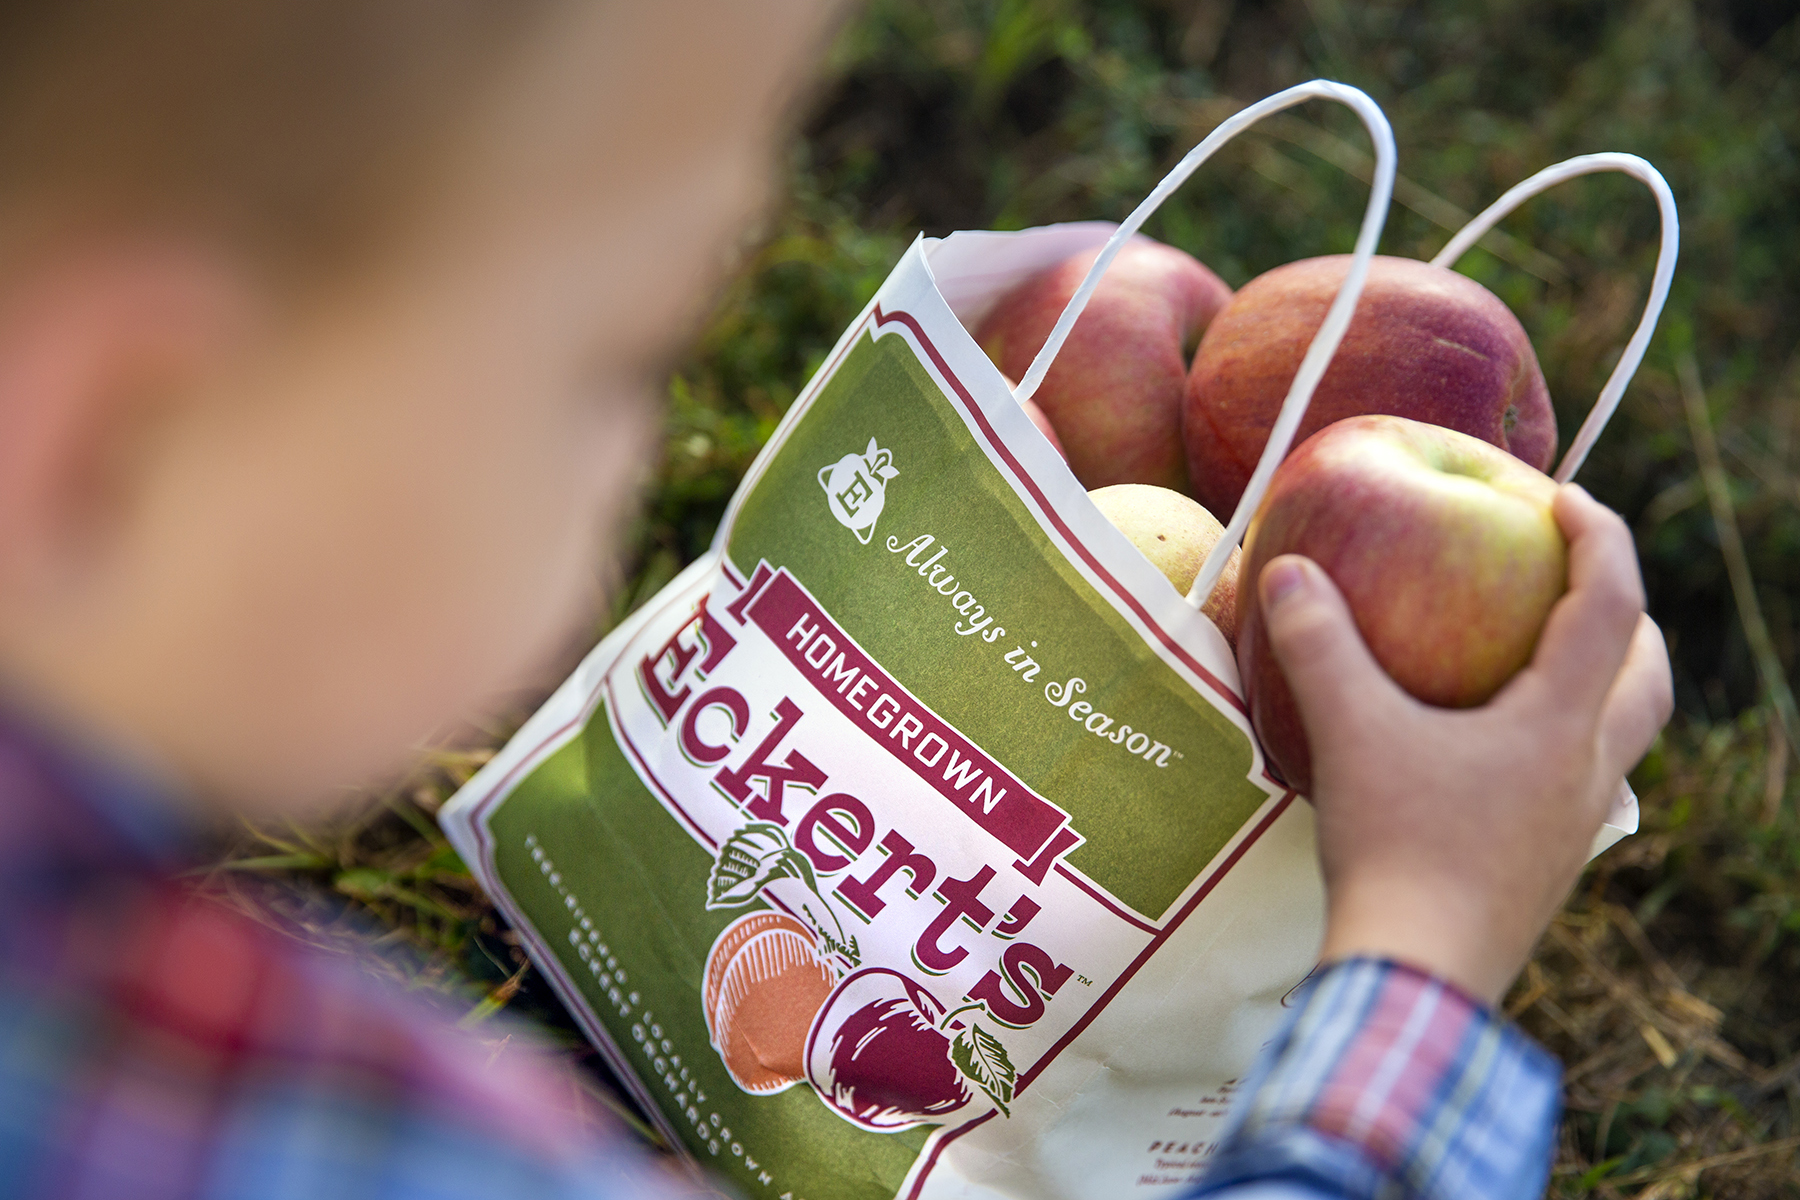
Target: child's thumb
[(1328, 666)]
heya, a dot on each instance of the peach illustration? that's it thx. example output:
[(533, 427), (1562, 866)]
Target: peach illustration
[(763, 983), (725, 947)]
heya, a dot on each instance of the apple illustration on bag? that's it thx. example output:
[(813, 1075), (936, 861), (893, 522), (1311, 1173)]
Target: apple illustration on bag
[(885, 1055)]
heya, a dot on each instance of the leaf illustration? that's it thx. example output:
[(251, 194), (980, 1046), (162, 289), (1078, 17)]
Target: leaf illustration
[(753, 856), (979, 1055), (756, 856)]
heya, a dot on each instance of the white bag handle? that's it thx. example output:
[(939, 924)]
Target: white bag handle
[(1623, 818), (1549, 177), (1325, 341)]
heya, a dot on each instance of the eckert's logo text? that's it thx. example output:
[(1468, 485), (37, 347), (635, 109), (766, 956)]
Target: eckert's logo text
[(838, 828)]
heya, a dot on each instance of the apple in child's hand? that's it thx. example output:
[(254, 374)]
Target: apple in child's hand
[(1444, 547), (1114, 392), (1424, 343), (1176, 534)]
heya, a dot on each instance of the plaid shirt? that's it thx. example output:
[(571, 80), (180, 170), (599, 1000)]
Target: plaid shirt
[(1388, 1082), (153, 1044)]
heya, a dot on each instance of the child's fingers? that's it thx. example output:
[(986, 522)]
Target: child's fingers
[(1590, 629), (1328, 666), (1640, 701)]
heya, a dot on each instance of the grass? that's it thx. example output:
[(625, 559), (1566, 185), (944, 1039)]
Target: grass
[(1667, 984), (1671, 983)]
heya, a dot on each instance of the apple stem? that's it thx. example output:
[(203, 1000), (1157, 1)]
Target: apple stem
[(833, 945), (955, 1013)]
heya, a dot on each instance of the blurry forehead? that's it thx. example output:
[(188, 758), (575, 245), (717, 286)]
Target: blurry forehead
[(620, 92), (617, 160)]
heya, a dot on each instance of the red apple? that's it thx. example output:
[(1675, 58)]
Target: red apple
[(1424, 343), (1445, 549), (1115, 391), (1044, 426), (1176, 534), (1038, 418)]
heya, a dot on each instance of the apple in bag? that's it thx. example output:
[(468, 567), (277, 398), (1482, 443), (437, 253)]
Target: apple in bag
[(1038, 418), (1176, 534), (1044, 426), (1425, 343), (1444, 547), (1114, 393)]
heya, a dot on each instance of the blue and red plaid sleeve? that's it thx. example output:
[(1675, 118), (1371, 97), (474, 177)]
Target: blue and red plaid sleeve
[(185, 1053), (1388, 1082)]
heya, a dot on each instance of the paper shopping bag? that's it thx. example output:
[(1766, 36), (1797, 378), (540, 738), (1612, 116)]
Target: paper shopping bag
[(914, 841)]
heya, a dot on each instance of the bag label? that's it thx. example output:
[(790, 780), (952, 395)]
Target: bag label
[(894, 721), (860, 827)]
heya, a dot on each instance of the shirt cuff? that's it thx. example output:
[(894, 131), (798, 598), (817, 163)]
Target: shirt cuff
[(1389, 1082)]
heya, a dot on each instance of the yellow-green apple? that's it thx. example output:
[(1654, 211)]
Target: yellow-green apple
[(1444, 547), (1424, 343), (1115, 390), (1176, 534)]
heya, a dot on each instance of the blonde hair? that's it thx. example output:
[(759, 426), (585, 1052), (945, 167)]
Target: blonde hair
[(299, 127)]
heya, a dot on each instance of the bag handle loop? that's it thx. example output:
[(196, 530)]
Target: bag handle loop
[(1549, 177), (1325, 341)]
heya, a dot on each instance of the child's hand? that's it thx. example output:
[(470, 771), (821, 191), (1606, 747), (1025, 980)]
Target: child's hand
[(1450, 837)]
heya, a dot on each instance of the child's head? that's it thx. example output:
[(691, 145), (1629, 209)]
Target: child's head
[(329, 336)]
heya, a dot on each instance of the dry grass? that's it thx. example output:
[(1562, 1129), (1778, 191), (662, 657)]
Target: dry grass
[(1679, 1023)]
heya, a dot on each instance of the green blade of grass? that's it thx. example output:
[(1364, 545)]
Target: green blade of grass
[(301, 861), (1731, 547)]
